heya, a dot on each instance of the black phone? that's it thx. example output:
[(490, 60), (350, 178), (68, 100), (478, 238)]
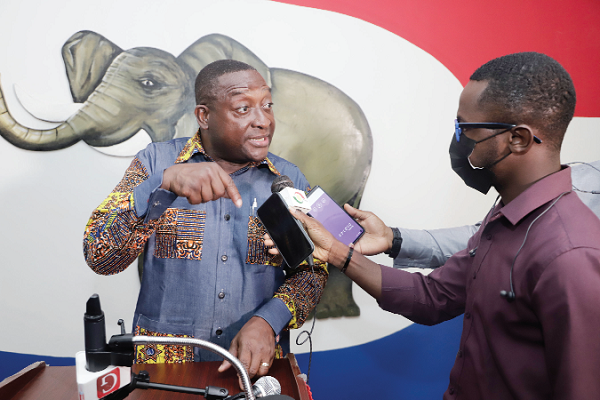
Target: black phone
[(333, 217), (287, 232)]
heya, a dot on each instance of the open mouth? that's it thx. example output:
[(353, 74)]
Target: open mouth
[(261, 141)]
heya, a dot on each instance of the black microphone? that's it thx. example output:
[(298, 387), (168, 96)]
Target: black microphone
[(282, 181), (95, 336), (292, 197)]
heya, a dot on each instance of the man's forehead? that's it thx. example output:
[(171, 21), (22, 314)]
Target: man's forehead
[(240, 83), (469, 97)]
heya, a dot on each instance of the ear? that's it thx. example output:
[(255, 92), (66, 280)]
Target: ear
[(201, 112), (215, 47), (87, 55), (522, 139)]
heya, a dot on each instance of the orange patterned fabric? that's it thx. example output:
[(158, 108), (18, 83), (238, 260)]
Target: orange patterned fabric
[(159, 353)]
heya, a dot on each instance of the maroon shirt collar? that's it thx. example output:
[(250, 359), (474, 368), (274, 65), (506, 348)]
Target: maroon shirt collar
[(538, 194)]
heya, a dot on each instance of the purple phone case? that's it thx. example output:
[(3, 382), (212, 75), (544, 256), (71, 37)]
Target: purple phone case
[(334, 218)]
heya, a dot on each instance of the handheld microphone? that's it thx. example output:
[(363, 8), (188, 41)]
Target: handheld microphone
[(280, 182), (295, 198)]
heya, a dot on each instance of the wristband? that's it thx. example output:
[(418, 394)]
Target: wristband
[(350, 252), (396, 244)]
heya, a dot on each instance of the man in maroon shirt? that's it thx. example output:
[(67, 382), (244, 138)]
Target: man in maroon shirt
[(529, 281)]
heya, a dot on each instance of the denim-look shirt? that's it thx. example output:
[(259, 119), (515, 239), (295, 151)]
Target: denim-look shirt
[(543, 345), (206, 268)]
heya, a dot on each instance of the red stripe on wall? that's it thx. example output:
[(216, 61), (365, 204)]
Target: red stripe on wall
[(464, 34)]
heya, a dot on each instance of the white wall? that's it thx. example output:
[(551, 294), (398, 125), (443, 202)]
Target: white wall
[(408, 97)]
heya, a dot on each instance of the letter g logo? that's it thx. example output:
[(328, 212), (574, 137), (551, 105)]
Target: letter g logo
[(108, 383)]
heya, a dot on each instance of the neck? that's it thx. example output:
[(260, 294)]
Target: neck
[(516, 178), (228, 166)]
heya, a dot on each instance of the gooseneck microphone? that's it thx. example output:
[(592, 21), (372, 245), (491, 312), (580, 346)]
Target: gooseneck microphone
[(264, 386)]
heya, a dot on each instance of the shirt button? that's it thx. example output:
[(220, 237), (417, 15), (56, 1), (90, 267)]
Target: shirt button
[(467, 315), (227, 217), (489, 237), (460, 354), (223, 258), (219, 332), (451, 390), (474, 275), (221, 295)]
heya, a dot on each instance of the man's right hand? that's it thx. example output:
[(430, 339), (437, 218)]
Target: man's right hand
[(200, 183), (378, 237)]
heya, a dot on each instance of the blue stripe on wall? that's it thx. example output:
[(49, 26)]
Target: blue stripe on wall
[(413, 363)]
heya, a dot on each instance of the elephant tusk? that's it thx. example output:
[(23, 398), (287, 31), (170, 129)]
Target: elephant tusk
[(34, 139), (44, 110)]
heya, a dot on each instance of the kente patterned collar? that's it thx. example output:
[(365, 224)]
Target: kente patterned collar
[(194, 145)]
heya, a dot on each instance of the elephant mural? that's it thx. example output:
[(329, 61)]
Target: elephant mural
[(319, 128)]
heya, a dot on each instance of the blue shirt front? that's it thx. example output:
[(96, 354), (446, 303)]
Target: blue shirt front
[(206, 269)]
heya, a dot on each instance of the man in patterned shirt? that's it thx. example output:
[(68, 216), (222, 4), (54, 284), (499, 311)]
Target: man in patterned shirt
[(190, 204)]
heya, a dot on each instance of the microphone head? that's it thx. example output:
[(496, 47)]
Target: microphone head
[(281, 182), (266, 386)]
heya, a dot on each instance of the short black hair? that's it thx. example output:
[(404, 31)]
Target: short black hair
[(529, 88), (206, 81)]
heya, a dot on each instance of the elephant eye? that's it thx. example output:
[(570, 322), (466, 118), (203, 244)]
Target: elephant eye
[(147, 82)]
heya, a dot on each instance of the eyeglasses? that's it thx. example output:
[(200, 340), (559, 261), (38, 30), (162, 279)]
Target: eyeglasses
[(459, 126)]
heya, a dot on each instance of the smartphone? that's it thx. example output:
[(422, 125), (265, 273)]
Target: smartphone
[(333, 217), (287, 232)]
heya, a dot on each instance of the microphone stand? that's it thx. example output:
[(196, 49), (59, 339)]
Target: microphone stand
[(179, 341), (120, 352), (118, 343)]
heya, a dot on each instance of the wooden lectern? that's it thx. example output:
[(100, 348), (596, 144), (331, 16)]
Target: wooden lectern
[(39, 381)]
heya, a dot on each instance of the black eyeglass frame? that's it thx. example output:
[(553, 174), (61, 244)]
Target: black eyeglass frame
[(458, 128)]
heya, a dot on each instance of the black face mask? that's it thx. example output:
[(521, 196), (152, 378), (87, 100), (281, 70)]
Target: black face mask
[(480, 179)]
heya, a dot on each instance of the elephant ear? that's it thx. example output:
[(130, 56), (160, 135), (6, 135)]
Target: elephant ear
[(219, 47), (87, 55)]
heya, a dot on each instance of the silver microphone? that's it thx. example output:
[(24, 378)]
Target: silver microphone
[(266, 386)]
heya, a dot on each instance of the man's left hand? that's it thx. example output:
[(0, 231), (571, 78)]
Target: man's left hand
[(254, 346)]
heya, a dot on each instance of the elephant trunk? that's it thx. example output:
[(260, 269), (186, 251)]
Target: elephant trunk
[(34, 139), (96, 123)]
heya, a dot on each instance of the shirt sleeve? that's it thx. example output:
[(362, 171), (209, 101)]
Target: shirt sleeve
[(432, 248), (426, 299), (300, 292), (120, 226), (566, 299)]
